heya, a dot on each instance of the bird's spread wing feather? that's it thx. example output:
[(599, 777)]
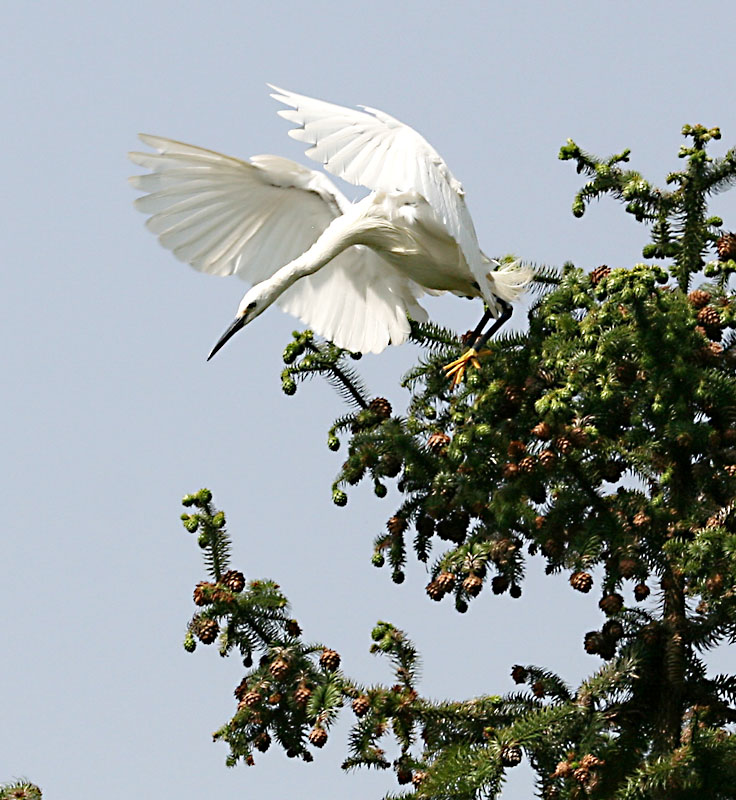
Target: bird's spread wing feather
[(225, 216), (358, 301), (375, 150)]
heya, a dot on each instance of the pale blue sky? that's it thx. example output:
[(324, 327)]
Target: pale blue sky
[(111, 414)]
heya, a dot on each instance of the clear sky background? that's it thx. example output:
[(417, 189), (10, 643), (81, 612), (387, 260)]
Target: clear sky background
[(110, 413)]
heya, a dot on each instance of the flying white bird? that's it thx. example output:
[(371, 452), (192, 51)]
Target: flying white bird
[(353, 272)]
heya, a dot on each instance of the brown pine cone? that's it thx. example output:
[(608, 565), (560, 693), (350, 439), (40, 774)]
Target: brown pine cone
[(611, 603), (361, 705), (437, 442), (262, 742), (515, 591), (279, 668), (500, 584), (302, 693), (274, 699), (608, 649), (563, 444), (473, 585), (699, 298), (293, 628), (599, 273), (613, 629), (318, 736), (581, 774), (203, 593), (542, 430), (516, 448), (591, 762), (714, 584), (641, 592), (453, 528), (241, 689), (396, 525), (380, 407), (627, 567), (391, 465), (538, 689), (547, 459), (502, 549), (330, 659), (434, 590), (563, 769), (251, 699), (593, 642), (233, 580), (578, 437), (726, 247), (418, 777), (709, 317), (220, 595), (581, 581), (527, 464), (641, 519), (510, 755), (446, 581), (207, 631), (519, 673), (403, 776), (510, 470), (552, 549)]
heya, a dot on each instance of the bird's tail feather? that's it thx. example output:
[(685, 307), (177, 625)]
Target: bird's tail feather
[(510, 280)]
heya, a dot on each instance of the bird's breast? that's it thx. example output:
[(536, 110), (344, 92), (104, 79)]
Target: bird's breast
[(403, 228)]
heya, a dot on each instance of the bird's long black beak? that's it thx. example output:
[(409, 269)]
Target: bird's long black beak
[(231, 331)]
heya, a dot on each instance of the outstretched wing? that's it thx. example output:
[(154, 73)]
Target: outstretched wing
[(225, 216), (230, 217), (358, 301), (373, 149)]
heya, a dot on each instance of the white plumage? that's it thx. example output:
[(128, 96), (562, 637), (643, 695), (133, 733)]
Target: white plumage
[(350, 271)]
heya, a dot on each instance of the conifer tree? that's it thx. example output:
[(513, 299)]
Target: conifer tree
[(19, 790), (602, 440)]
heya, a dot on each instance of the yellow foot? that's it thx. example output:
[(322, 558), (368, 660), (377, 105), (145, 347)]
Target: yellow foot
[(455, 370)]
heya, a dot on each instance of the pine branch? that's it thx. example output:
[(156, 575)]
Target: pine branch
[(601, 440), (20, 790), (305, 359)]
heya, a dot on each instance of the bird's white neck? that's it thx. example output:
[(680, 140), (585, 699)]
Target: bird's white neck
[(339, 235)]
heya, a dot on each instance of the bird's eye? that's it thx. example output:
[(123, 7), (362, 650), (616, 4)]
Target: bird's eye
[(250, 306)]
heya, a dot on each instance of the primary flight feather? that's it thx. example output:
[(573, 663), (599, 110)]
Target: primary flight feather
[(353, 272)]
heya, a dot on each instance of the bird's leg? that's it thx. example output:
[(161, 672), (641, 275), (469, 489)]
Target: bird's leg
[(455, 370), (474, 336), (503, 318)]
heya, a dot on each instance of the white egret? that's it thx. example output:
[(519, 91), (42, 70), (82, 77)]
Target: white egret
[(352, 272)]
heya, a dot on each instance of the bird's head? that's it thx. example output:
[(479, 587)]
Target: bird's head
[(255, 302)]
